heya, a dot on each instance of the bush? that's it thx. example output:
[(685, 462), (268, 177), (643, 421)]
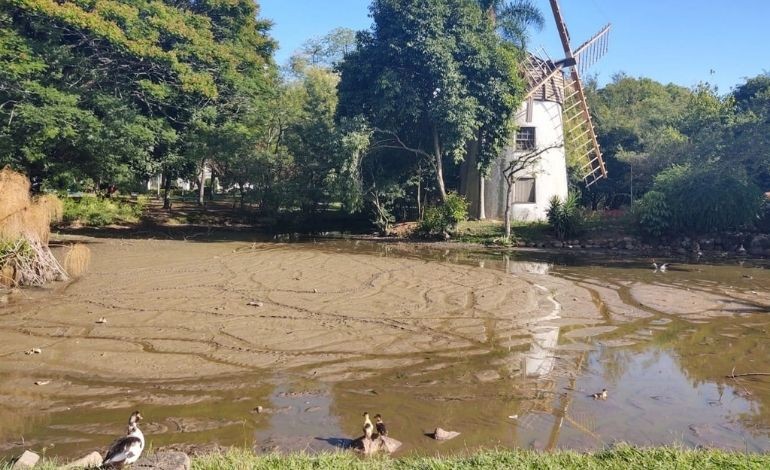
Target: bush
[(565, 217), (445, 217), (96, 211), (652, 215), (708, 199)]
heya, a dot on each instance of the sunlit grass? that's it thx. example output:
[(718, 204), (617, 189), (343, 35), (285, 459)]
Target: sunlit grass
[(621, 457)]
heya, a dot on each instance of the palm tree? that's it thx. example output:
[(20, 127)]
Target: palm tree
[(514, 19)]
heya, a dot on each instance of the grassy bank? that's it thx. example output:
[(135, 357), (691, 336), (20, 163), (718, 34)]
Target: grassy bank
[(96, 212), (622, 457)]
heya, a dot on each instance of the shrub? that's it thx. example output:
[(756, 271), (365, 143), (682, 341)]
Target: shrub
[(652, 215), (565, 217), (95, 211), (707, 199), (444, 218)]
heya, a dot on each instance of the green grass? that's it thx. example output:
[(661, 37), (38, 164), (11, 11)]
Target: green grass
[(621, 457), (94, 211), (491, 231)]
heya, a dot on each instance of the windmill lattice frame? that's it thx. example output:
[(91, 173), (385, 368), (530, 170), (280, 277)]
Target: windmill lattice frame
[(580, 137)]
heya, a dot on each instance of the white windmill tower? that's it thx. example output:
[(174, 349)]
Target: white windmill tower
[(555, 121)]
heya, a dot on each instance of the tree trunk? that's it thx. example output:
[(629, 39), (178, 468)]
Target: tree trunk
[(212, 186), (439, 165), (166, 190), (240, 187), (419, 191), (202, 183), (508, 206), (482, 211)]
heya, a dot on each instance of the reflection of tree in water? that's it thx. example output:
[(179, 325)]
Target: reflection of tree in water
[(709, 352)]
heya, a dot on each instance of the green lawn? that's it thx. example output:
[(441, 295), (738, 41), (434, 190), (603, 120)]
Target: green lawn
[(491, 231), (620, 458)]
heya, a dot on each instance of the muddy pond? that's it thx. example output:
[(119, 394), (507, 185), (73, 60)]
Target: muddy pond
[(505, 348)]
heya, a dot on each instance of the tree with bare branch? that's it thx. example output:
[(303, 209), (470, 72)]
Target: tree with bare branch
[(522, 163)]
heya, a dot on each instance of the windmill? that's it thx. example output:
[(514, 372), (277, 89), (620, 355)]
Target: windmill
[(546, 76)]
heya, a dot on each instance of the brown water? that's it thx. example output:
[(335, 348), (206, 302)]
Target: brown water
[(662, 344)]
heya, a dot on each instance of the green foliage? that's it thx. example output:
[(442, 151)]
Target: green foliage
[(443, 218), (108, 89), (96, 211), (431, 77), (565, 217), (652, 215), (645, 127), (708, 199)]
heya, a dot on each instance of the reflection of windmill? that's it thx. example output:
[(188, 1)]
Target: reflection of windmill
[(542, 75)]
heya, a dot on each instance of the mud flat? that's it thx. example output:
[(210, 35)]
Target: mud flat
[(198, 334)]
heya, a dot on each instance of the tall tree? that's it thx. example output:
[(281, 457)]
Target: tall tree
[(135, 69), (514, 19), (430, 77)]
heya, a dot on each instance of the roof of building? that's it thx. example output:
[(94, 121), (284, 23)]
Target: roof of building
[(535, 70)]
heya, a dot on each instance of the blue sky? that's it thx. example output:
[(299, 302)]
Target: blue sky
[(679, 41)]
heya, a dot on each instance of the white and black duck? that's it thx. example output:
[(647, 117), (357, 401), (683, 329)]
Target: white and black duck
[(368, 427), (126, 450)]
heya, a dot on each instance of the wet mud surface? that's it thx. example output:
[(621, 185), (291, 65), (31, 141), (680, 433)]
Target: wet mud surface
[(505, 348)]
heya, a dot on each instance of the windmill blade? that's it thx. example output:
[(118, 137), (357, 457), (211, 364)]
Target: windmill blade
[(580, 138), (592, 50)]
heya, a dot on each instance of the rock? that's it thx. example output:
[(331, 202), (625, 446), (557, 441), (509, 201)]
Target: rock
[(42, 382), (94, 459), (27, 460), (380, 444), (487, 376), (164, 461), (259, 409), (255, 304), (442, 435)]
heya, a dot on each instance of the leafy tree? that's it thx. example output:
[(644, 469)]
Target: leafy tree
[(430, 78), (110, 87), (513, 20), (327, 51)]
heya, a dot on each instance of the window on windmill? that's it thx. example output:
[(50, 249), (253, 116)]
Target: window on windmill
[(525, 138), (524, 190)]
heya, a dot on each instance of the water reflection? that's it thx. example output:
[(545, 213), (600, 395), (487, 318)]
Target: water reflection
[(666, 373)]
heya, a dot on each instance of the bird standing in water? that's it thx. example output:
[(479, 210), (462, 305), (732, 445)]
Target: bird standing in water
[(381, 429), (600, 395), (126, 450), (368, 428)]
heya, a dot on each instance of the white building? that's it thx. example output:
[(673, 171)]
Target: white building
[(540, 127)]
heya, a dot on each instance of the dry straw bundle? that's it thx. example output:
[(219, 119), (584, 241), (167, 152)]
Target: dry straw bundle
[(77, 260), (25, 227)]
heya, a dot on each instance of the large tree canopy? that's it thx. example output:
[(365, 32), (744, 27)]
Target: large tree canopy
[(431, 77), (92, 85)]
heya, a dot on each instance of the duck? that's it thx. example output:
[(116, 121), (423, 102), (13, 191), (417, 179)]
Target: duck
[(368, 427), (381, 429), (600, 395), (127, 449), (662, 267)]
